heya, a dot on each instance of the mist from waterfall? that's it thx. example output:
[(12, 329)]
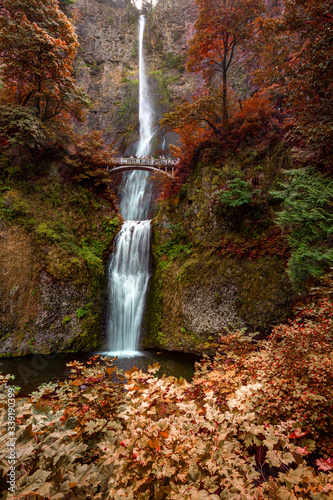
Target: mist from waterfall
[(129, 265)]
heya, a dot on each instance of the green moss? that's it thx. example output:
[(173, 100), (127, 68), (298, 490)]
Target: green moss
[(71, 232), (174, 61), (173, 249), (44, 231), (163, 81), (161, 338), (83, 311), (89, 337), (134, 51), (187, 239), (66, 320), (153, 315), (128, 108)]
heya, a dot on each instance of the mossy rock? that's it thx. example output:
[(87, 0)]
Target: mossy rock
[(208, 292), (55, 245)]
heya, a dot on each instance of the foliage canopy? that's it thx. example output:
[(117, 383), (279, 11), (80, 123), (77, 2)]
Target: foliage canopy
[(38, 46)]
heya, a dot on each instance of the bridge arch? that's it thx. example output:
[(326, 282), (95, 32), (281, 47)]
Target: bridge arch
[(147, 168), (164, 166)]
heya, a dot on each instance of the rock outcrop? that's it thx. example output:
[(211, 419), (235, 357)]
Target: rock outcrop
[(202, 287), (54, 242)]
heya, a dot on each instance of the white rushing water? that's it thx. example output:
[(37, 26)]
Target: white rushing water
[(129, 282), (129, 266), (145, 106), (136, 195)]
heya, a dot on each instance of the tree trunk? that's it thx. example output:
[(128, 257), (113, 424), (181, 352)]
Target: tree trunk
[(224, 97)]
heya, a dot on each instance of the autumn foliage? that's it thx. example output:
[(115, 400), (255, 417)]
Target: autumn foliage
[(295, 51), (284, 51), (87, 161), (221, 28), (39, 98), (290, 50), (255, 423), (38, 46)]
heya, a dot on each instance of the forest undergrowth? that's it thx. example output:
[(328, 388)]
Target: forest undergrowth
[(254, 423)]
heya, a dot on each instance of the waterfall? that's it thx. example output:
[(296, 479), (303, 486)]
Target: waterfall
[(145, 107), (129, 265), (129, 282), (136, 196)]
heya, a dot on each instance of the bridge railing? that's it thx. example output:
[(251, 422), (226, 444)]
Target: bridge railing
[(158, 162)]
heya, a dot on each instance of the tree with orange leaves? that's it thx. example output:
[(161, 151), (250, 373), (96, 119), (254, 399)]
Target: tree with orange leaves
[(296, 51), (38, 46), (221, 27), (206, 108)]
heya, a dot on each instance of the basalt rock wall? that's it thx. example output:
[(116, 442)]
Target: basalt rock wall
[(37, 312), (107, 64), (55, 239), (217, 268)]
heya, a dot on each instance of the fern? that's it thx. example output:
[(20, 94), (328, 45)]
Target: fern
[(238, 193), (307, 215)]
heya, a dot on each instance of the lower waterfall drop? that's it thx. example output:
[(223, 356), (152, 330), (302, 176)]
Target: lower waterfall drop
[(128, 284)]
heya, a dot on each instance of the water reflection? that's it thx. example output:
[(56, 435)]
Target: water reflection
[(31, 371)]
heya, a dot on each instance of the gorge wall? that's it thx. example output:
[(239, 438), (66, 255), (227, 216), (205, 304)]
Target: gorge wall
[(55, 239), (107, 65), (217, 269)]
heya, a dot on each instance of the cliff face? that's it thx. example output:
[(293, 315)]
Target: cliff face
[(107, 66), (55, 238), (196, 292), (217, 269), (38, 312), (54, 242)]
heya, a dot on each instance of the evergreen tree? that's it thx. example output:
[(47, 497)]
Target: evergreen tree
[(307, 215)]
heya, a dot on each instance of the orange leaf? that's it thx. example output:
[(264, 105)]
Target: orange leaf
[(77, 381), (110, 371), (154, 443)]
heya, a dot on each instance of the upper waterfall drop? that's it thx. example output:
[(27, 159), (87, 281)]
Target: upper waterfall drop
[(145, 107), (136, 195)]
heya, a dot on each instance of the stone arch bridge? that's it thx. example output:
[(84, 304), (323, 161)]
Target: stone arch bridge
[(164, 166)]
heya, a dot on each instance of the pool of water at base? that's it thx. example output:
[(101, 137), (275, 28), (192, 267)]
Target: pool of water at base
[(32, 371)]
